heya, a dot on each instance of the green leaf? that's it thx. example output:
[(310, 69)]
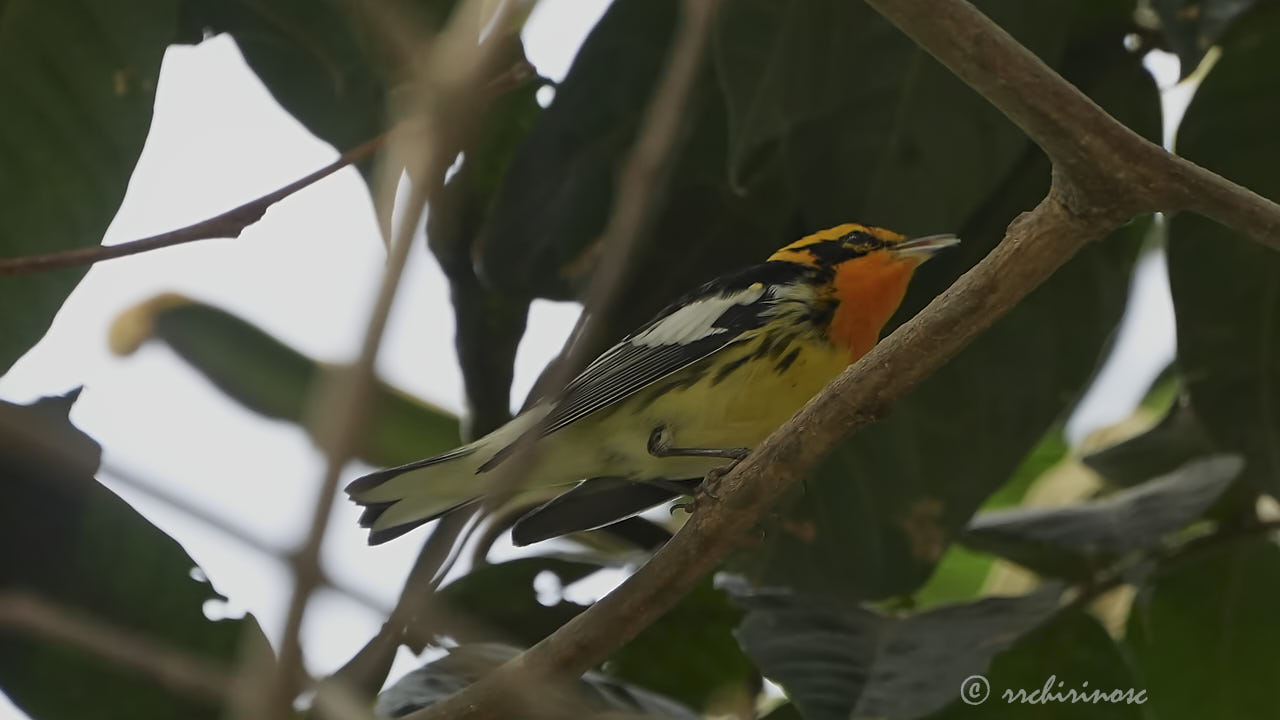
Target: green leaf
[(74, 543), (1204, 635), (1072, 652), (690, 654), (594, 693), (1178, 438), (880, 511), (1226, 288), (1075, 540), (324, 61), (276, 381), (77, 81), (840, 661), (861, 118), (557, 195), (1191, 27), (962, 573), (498, 602)]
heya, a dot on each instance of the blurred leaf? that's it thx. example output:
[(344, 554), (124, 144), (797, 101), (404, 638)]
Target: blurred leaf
[(1073, 652), (1191, 27), (690, 654), (1204, 635), (861, 118), (785, 711), (276, 381), (498, 602), (1226, 288), (962, 573), (77, 81), (75, 543), (1178, 438), (1075, 540), (845, 661), (594, 693)]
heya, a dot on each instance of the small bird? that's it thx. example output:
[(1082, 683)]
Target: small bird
[(686, 395)]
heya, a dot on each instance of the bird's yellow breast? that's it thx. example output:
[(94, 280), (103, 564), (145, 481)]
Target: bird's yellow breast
[(739, 397)]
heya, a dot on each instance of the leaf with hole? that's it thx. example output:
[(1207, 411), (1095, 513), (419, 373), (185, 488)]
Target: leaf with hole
[(76, 544)]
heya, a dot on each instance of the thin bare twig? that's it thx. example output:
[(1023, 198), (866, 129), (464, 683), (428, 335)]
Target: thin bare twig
[(180, 672), (226, 225)]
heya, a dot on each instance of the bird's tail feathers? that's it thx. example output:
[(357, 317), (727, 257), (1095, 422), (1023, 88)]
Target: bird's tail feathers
[(399, 499)]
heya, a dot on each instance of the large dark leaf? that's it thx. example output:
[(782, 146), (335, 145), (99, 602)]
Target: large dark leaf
[(841, 662), (1226, 288), (273, 379), (1191, 27), (73, 542), (690, 654), (77, 82), (1070, 653), (1204, 635), (881, 510), (594, 693), (961, 573), (862, 119), (498, 602), (1075, 540)]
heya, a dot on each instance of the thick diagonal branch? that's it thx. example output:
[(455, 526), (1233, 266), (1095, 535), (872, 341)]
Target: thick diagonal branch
[(1104, 175)]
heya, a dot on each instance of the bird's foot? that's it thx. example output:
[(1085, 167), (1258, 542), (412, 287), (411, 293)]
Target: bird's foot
[(707, 491)]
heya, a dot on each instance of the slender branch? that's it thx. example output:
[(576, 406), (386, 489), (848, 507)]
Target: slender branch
[(1103, 175), (234, 221), (180, 672), (226, 225), (450, 95)]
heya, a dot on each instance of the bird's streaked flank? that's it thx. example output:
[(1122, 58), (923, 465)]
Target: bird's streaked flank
[(687, 394)]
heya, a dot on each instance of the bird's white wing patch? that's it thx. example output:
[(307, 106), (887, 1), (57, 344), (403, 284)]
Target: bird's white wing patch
[(696, 320)]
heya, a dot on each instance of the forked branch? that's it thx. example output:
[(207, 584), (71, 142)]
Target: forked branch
[(1104, 175)]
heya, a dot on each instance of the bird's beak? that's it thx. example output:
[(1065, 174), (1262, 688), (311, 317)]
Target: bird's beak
[(923, 248)]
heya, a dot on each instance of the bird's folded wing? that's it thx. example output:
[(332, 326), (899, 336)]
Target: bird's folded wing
[(682, 335)]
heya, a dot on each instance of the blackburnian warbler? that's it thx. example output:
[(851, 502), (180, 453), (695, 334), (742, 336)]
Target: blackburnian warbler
[(711, 376)]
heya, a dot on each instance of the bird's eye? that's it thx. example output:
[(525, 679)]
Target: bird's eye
[(863, 241)]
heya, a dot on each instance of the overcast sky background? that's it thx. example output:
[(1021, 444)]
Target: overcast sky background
[(307, 273)]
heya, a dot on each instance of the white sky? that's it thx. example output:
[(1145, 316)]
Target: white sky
[(307, 274)]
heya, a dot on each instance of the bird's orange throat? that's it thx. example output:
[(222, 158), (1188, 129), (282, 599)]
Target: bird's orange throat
[(869, 289)]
